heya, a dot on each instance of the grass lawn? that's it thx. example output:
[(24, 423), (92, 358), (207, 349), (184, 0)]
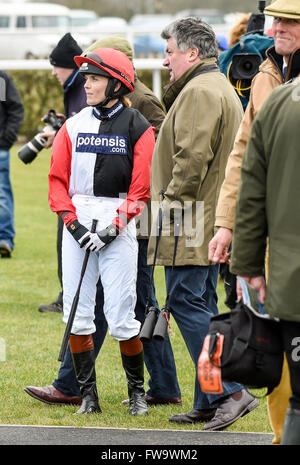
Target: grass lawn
[(32, 339)]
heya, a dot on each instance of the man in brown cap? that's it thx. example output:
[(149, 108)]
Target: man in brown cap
[(282, 64)]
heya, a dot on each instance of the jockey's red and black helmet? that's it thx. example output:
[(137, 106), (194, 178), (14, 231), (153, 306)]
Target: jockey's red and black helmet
[(108, 62)]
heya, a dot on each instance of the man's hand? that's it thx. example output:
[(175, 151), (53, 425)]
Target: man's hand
[(50, 138), (218, 246), (258, 282)]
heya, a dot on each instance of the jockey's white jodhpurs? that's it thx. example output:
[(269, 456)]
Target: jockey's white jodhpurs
[(116, 264)]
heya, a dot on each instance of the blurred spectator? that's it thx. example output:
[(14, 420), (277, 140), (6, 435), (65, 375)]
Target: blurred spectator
[(66, 72), (238, 30), (11, 118), (222, 42)]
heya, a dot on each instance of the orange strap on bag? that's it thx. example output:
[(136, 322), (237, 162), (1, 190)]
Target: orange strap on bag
[(209, 373)]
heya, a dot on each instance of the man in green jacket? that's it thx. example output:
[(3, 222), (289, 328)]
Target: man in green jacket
[(268, 206), (188, 168)]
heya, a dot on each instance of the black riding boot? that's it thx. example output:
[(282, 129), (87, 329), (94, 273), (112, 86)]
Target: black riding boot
[(82, 349), (133, 363), (291, 428)]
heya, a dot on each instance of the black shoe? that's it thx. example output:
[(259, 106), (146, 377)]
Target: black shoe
[(5, 249), (55, 307), (194, 416)]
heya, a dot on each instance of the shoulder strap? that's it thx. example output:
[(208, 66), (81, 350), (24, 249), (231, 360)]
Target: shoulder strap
[(159, 228), (240, 342)]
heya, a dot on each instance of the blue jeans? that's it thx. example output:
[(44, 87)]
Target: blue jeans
[(159, 358), (7, 228), (193, 300)]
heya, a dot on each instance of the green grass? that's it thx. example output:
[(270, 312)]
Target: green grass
[(33, 339)]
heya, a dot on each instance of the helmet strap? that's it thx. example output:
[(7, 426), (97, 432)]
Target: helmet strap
[(110, 92)]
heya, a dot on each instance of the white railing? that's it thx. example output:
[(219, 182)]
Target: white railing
[(152, 64)]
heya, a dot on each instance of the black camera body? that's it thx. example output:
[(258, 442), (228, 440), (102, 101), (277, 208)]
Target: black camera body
[(30, 150), (246, 65)]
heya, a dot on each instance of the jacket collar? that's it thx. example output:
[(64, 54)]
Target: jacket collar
[(71, 79), (174, 89), (105, 114), (293, 64)]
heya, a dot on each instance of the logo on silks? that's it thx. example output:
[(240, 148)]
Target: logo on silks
[(101, 143)]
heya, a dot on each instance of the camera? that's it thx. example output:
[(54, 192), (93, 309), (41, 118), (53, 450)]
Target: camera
[(246, 65), (30, 150)]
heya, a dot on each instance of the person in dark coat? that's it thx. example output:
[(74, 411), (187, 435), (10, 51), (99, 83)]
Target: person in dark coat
[(65, 70), (267, 211), (11, 118)]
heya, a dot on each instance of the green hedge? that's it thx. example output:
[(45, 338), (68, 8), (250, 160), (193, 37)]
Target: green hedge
[(41, 91)]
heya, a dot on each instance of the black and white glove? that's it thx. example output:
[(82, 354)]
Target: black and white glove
[(80, 233), (101, 239), (93, 241), (108, 234)]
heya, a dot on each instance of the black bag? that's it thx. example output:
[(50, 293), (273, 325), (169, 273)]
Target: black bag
[(252, 352)]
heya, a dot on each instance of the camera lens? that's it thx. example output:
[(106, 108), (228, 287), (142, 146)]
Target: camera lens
[(245, 66), (248, 66), (30, 150)]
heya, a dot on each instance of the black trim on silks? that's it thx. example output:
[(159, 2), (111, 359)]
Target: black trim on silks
[(113, 167), (105, 114)]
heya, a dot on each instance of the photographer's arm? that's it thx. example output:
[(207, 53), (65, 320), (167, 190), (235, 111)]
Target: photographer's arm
[(50, 138), (50, 135)]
